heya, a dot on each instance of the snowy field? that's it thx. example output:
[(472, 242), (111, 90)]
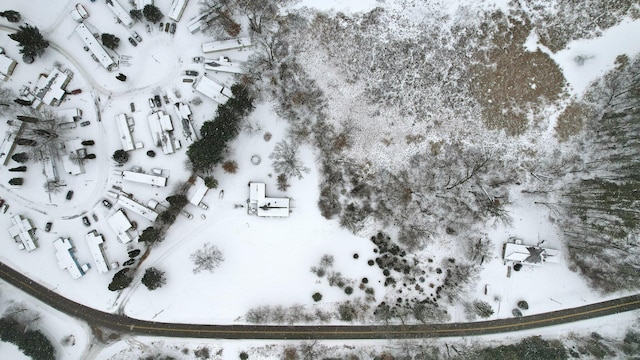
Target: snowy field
[(267, 261)]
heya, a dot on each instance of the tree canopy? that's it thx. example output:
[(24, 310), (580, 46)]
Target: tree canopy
[(31, 41), (111, 41), (152, 13)]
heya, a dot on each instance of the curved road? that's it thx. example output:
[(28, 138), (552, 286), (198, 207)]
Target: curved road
[(127, 325)]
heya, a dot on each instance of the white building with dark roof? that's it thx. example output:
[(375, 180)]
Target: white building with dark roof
[(517, 253), (23, 233), (261, 205), (66, 258), (51, 89)]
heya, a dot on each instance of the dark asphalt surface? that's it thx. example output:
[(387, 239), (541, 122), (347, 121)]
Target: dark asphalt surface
[(127, 325)]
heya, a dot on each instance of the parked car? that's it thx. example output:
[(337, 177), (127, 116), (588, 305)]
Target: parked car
[(75, 92), (166, 27), (151, 153), (88, 142), (161, 26), (137, 36), (47, 226), (166, 99), (172, 28), (85, 221), (132, 41), (94, 216), (157, 100), (191, 73), (1, 202), (5, 207), (90, 156), (198, 59), (69, 194), (187, 80), (133, 107), (151, 103), (85, 123), (107, 203)]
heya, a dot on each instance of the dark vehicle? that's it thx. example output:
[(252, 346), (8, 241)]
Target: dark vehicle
[(157, 100), (191, 73), (129, 262), (133, 253), (69, 194), (90, 156), (161, 26), (137, 36), (88, 142), (132, 41), (47, 227), (85, 221), (198, 59), (133, 107), (75, 92), (172, 28), (121, 77), (166, 27), (151, 153), (95, 217), (166, 99), (1, 202), (107, 203), (85, 123), (187, 80)]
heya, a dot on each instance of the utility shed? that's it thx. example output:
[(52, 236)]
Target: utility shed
[(121, 225), (22, 232), (66, 258), (7, 65), (95, 241), (263, 206)]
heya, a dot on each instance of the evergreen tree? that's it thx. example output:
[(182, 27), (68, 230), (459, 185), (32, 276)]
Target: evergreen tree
[(150, 235), (152, 13), (31, 41), (136, 14), (153, 278), (111, 41), (11, 16), (120, 156)]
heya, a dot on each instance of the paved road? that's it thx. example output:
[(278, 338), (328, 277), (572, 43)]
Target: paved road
[(124, 324)]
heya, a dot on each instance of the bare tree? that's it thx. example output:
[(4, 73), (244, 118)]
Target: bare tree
[(54, 187), (208, 258), (286, 161), (43, 128)]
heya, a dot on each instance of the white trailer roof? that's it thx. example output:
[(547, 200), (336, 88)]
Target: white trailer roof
[(95, 47), (65, 257), (215, 46), (120, 13), (124, 132), (22, 230), (137, 208), (95, 240), (176, 9), (150, 179), (212, 90), (121, 225)]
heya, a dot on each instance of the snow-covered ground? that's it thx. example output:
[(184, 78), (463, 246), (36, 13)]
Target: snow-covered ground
[(267, 261)]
